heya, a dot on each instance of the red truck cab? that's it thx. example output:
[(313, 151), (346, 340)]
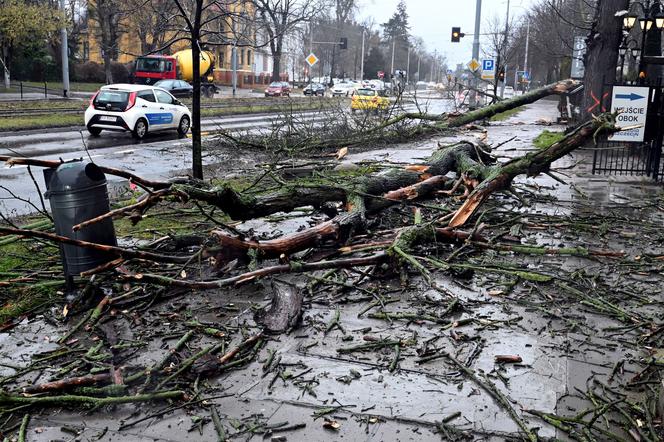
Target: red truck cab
[(152, 68)]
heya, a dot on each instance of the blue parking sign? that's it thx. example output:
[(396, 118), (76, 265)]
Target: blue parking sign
[(488, 64)]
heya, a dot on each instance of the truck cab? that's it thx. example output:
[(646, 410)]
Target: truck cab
[(152, 68)]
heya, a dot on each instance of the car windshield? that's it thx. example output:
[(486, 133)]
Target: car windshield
[(148, 64), (163, 83), (276, 84), (366, 92)]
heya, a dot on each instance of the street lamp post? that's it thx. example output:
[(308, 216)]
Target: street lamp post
[(362, 62), (651, 14)]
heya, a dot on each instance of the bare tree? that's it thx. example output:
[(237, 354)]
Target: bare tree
[(154, 21), (108, 16), (280, 17)]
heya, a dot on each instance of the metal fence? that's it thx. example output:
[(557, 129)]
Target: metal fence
[(637, 159)]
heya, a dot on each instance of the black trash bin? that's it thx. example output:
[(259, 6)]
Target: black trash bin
[(77, 192)]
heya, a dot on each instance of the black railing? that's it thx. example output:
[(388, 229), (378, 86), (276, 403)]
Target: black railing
[(42, 89), (636, 159)]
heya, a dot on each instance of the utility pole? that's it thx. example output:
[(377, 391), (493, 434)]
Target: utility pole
[(362, 62), (408, 66), (507, 24), (234, 67), (433, 64), (65, 53), (525, 58), (394, 43), (311, 45), (476, 51)]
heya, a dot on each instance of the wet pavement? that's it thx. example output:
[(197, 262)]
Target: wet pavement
[(567, 344), (159, 156)]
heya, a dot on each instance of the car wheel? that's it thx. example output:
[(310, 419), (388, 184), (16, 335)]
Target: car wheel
[(94, 131), (183, 127), (140, 129)]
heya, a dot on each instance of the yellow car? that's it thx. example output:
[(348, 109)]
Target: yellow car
[(369, 99)]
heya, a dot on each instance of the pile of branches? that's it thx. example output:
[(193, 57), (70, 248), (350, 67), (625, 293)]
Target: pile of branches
[(351, 237)]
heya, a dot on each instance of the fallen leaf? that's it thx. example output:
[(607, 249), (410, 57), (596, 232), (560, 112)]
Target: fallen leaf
[(65, 310), (183, 274), (332, 425), (342, 153)]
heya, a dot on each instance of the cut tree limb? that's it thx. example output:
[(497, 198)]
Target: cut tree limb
[(111, 250), (532, 164)]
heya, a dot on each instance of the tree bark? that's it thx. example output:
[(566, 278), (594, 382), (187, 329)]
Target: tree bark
[(196, 143), (601, 56)]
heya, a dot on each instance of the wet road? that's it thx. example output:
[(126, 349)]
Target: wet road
[(158, 156)]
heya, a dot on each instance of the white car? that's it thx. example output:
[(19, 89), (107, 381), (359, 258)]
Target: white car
[(340, 89), (138, 109)]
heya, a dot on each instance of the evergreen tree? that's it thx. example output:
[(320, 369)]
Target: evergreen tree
[(397, 28)]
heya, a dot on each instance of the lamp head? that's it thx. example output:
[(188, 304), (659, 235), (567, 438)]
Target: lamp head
[(646, 23), (629, 21)]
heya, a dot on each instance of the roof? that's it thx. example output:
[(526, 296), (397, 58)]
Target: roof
[(129, 87)]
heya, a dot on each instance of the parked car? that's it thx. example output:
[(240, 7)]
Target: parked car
[(508, 92), (341, 89), (278, 89), (135, 108), (177, 88), (314, 89), (369, 99)]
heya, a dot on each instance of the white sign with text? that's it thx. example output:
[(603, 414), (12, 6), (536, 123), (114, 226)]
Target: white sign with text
[(631, 104)]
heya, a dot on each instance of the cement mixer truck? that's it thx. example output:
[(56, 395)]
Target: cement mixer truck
[(152, 68)]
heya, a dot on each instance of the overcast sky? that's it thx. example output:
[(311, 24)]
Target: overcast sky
[(432, 20)]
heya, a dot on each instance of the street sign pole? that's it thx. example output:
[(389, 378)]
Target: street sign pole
[(476, 51)]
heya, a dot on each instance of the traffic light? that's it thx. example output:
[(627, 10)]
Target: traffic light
[(456, 35), (343, 43), (501, 74)]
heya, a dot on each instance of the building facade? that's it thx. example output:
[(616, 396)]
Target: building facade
[(233, 31)]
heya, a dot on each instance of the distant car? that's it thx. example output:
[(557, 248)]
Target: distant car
[(135, 108), (177, 88), (278, 89), (508, 92), (378, 85), (314, 89), (369, 99), (341, 89)]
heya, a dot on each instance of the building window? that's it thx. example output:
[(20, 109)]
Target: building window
[(249, 57), (242, 57)]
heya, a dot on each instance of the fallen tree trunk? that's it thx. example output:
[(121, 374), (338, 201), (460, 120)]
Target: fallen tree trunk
[(363, 196)]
